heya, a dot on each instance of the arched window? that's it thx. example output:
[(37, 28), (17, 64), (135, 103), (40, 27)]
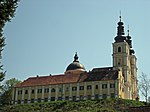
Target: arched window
[(119, 49), (96, 87), (53, 90)]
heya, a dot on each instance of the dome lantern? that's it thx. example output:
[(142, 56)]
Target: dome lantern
[(75, 67)]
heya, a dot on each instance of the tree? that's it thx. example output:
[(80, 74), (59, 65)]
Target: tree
[(144, 86), (6, 95), (7, 11), (1, 79), (149, 99)]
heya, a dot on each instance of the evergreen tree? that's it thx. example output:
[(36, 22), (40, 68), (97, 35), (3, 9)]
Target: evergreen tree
[(7, 11)]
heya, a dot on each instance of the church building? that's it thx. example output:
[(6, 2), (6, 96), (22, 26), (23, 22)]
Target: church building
[(117, 81)]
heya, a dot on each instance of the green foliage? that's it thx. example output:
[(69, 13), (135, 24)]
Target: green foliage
[(7, 11), (9, 84), (2, 75), (104, 105), (6, 94)]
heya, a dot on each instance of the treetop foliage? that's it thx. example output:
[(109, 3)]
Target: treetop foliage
[(7, 11), (6, 94)]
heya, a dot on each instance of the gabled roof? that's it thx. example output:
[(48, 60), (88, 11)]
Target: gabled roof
[(98, 74)]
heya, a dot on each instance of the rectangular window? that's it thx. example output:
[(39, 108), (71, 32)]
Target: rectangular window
[(89, 87), (96, 96), (67, 89), (26, 91), (112, 85), (74, 98), (19, 102), (32, 91), (32, 100), (74, 88), (39, 90), (59, 98), (104, 86), (25, 101), (96, 87), (81, 97), (39, 99), (67, 98), (81, 87), (89, 97), (52, 98), (46, 99), (60, 89), (119, 49), (104, 96), (19, 92), (46, 90)]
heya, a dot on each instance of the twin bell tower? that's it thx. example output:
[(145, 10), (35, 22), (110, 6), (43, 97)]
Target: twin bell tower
[(124, 59)]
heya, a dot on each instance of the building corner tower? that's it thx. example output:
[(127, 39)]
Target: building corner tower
[(124, 58)]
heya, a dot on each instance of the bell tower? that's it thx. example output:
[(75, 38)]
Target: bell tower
[(133, 60), (124, 58)]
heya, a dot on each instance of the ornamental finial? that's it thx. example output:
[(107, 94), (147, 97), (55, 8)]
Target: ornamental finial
[(120, 16), (76, 57), (128, 30)]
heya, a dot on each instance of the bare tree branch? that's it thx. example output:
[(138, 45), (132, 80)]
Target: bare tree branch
[(144, 85)]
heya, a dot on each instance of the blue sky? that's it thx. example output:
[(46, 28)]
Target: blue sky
[(44, 35)]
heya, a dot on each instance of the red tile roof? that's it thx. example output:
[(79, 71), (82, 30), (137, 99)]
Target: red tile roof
[(95, 75), (46, 80)]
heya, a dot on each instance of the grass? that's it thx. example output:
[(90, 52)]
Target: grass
[(103, 105)]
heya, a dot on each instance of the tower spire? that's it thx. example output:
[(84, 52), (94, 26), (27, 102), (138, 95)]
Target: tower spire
[(128, 36), (120, 31), (128, 30), (120, 16), (129, 41), (120, 27)]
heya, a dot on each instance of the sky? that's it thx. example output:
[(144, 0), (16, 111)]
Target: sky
[(43, 36)]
